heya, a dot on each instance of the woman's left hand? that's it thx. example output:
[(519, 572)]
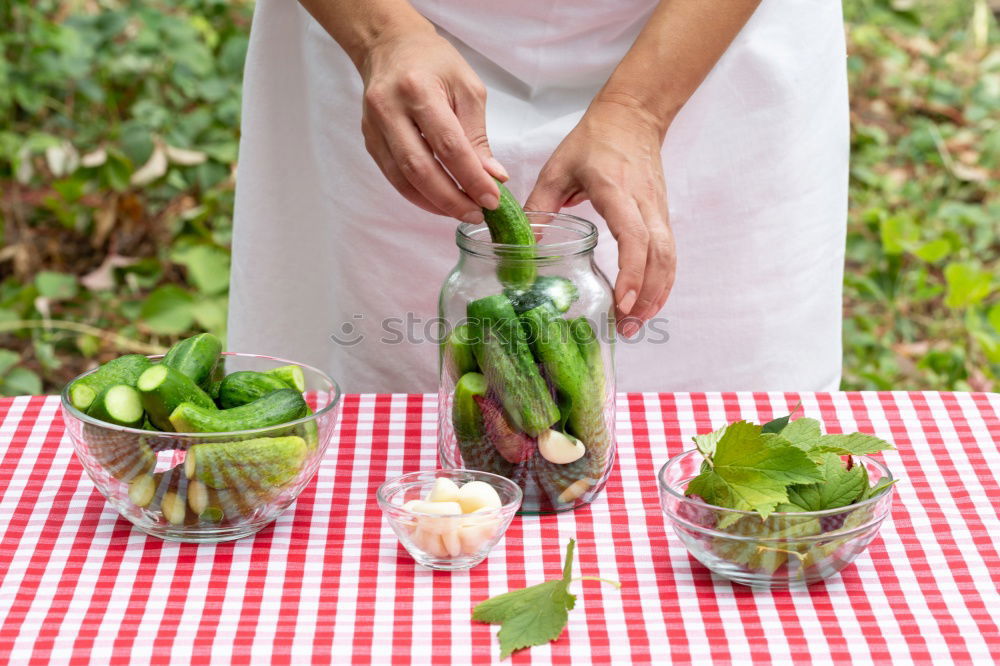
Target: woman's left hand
[(612, 158)]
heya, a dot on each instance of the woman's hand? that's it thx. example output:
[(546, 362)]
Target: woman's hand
[(612, 158), (424, 123)]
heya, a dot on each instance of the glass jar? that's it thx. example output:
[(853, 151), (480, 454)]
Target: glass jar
[(527, 380)]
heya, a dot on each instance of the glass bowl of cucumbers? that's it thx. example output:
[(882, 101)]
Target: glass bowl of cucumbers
[(449, 519), (200, 445)]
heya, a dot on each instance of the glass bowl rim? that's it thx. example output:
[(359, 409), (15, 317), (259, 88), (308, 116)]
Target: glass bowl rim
[(80, 416), (485, 248), (387, 506), (780, 514)]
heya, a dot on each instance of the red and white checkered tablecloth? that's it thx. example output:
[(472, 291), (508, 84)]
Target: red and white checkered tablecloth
[(327, 582)]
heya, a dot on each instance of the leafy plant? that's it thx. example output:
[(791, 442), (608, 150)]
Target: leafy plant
[(118, 141), (922, 283)]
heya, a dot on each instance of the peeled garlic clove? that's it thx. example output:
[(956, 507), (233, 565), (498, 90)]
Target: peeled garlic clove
[(438, 508), (559, 448), (439, 522), (476, 531), (476, 495), (575, 491), (429, 542), (451, 542), (444, 490)]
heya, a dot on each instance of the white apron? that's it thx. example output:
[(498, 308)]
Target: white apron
[(756, 172)]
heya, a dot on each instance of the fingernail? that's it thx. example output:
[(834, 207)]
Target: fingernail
[(489, 201), (474, 218), (630, 329), (628, 300), (498, 168)]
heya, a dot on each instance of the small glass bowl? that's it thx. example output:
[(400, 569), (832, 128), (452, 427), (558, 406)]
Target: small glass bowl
[(786, 549), (149, 478), (447, 542)]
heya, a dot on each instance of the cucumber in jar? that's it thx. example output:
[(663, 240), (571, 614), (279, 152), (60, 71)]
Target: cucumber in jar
[(509, 226), (508, 366)]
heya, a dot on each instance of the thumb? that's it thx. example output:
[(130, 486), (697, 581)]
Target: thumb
[(471, 114), (549, 194)]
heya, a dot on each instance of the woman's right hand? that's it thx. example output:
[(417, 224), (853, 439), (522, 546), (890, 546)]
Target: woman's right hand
[(424, 124)]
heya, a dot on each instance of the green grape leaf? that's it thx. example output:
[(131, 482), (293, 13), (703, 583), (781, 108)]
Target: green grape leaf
[(751, 470), (839, 487), (533, 615), (854, 444)]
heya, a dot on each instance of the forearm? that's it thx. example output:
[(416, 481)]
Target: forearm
[(357, 25), (673, 54)]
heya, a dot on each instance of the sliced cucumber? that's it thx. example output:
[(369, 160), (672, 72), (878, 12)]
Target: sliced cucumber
[(291, 375), (163, 388), (122, 370), (119, 404)]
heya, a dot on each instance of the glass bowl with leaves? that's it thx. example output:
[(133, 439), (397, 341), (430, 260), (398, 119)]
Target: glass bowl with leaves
[(777, 505)]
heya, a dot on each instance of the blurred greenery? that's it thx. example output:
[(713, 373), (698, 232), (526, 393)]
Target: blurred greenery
[(118, 144)]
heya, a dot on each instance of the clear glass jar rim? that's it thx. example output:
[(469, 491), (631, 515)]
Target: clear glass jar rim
[(465, 237)]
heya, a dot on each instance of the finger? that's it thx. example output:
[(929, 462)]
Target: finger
[(446, 137), (625, 223), (660, 264), (550, 192), (377, 148), (414, 159), (470, 109)]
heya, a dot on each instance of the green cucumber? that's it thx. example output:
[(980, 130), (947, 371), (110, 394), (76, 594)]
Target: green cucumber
[(273, 409), (122, 370), (598, 434), (459, 357), (554, 289), (119, 404), (292, 375), (581, 393), (506, 362), (590, 347), (470, 431), (465, 414), (239, 388), (264, 462), (195, 357), (163, 388), (509, 225)]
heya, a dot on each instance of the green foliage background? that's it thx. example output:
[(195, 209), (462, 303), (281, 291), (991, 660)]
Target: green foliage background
[(119, 126)]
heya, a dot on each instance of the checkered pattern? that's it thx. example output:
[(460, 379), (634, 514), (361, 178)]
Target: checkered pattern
[(329, 583)]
